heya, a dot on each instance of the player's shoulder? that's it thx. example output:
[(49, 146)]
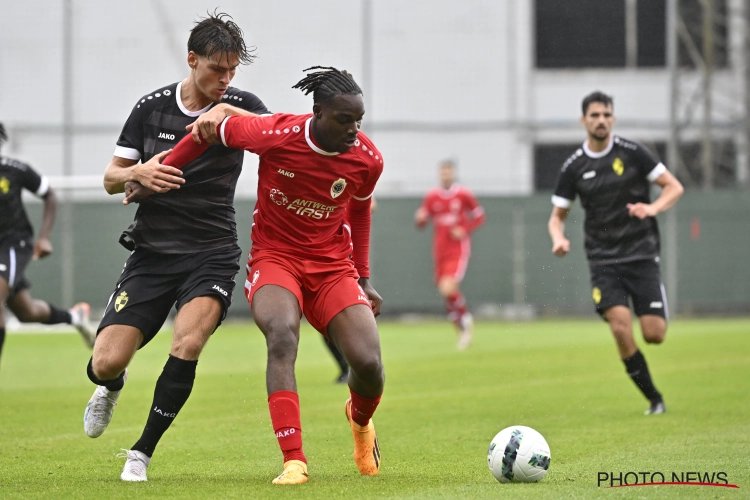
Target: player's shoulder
[(577, 158), (366, 150), (12, 163), (156, 99), (626, 144), (245, 100)]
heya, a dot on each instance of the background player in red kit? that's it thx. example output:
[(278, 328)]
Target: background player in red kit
[(310, 253), (455, 214)]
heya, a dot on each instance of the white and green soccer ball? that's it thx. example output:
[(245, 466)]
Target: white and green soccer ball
[(518, 454)]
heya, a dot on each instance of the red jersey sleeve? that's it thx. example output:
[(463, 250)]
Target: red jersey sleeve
[(425, 207), (475, 216), (258, 134), (359, 215)]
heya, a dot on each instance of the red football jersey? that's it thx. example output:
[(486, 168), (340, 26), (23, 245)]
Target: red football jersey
[(303, 190), (447, 208)]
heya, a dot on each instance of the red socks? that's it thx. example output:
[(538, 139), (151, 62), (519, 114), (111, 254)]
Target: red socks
[(285, 418), (363, 408), (456, 306)]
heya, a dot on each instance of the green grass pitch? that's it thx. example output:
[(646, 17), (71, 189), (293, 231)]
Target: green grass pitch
[(440, 410)]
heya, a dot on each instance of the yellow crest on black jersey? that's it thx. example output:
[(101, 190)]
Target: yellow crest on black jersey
[(596, 294), (121, 301), (338, 188), (618, 166), (4, 185)]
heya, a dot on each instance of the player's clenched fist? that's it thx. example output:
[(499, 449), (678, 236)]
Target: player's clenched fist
[(561, 247)]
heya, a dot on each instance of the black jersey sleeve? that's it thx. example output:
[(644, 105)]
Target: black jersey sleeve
[(649, 166), (248, 102), (32, 181), (130, 142), (565, 187)]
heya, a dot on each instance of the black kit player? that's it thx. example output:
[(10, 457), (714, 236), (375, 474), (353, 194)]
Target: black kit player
[(18, 248), (183, 240), (613, 177)]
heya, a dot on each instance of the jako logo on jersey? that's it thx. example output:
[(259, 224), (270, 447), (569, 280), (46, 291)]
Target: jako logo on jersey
[(278, 197), (338, 188), (287, 173), (256, 275), (656, 305), (3, 267), (121, 301), (618, 166), (363, 298), (4, 185), (589, 175), (169, 137), (596, 294), (161, 412), (311, 209), (220, 290)]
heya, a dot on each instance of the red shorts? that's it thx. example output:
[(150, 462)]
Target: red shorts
[(453, 264), (322, 289)]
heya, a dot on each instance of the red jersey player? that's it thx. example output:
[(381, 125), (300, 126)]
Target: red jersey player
[(310, 253), (455, 213)]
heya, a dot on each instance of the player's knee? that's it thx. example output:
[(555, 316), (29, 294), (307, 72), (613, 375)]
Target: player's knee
[(654, 335), (189, 347), (107, 367), (281, 342), (368, 368)]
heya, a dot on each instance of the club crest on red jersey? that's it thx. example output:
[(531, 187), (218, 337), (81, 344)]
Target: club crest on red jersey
[(338, 188)]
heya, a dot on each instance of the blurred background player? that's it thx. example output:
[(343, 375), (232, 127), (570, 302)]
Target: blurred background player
[(17, 248), (183, 240), (455, 214), (310, 254), (613, 177)]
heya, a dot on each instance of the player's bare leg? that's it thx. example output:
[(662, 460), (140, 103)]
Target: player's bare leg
[(355, 333), (30, 310), (654, 328), (277, 313), (622, 328), (193, 326), (448, 286), (115, 347)]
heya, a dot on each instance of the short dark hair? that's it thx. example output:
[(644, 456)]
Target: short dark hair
[(218, 34), (327, 84), (448, 162), (3, 135), (596, 96)]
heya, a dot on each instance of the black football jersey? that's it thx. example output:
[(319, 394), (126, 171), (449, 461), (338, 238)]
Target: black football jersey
[(16, 176), (606, 183), (200, 215)]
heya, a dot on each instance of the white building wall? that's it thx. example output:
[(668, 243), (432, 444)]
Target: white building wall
[(449, 78)]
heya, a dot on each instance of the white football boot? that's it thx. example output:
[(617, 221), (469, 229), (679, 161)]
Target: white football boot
[(467, 332), (100, 408), (79, 315), (135, 465)]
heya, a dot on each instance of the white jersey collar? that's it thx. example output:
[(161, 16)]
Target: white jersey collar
[(310, 141), (600, 154)]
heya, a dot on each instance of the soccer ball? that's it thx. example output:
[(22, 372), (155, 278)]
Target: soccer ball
[(518, 454)]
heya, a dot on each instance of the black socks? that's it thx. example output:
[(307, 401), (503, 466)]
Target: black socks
[(2, 339), (57, 316), (111, 385), (637, 368), (172, 391)]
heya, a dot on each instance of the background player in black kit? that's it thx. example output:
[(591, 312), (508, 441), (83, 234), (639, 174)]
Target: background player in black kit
[(184, 238), (612, 176), (18, 247)]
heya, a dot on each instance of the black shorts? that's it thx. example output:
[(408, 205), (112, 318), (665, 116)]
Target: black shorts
[(14, 257), (151, 283), (639, 280)]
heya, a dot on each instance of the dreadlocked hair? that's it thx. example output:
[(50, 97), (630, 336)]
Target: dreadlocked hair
[(3, 134), (327, 84)]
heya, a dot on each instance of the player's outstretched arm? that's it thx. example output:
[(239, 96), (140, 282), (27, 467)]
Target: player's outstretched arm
[(671, 192), (359, 218), (556, 228), (206, 127)]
